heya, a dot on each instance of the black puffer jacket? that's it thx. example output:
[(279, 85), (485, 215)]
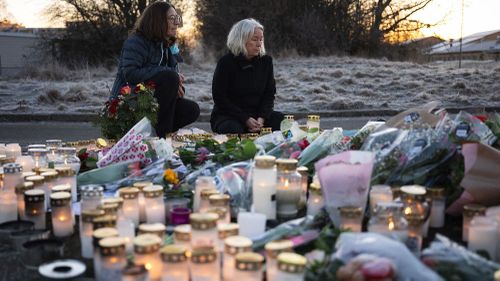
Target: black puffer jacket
[(140, 60)]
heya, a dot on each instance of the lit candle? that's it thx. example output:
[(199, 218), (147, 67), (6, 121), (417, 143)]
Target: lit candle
[(97, 236), (175, 264), (313, 122), (157, 229), (12, 176), (379, 193), (438, 206), (91, 196), (182, 235), (248, 266), (251, 224), (67, 158), (470, 210), (12, 150), (146, 249), (288, 189), (415, 204), (62, 217), (388, 220), (130, 203), (50, 179), (21, 206), (221, 201), (204, 199), (40, 159), (351, 218), (29, 173), (496, 217), (273, 249), (232, 246), (34, 200), (176, 202), (315, 201), (266, 130), (52, 149), (202, 183), (203, 229), (26, 162), (125, 226), (68, 176), (39, 183), (142, 202), (304, 173), (264, 186), (86, 230), (224, 231), (482, 235), (113, 259), (204, 264), (103, 222), (134, 272), (291, 267), (155, 212), (415, 233), (8, 198)]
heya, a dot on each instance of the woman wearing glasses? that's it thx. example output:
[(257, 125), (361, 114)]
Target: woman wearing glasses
[(147, 56), (243, 86)]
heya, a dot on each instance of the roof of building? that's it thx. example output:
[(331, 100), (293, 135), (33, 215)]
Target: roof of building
[(471, 43)]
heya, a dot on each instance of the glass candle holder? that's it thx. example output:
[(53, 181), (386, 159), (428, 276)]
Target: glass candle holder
[(221, 201), (483, 235), (147, 253), (130, 197), (62, 216), (204, 264), (53, 149), (224, 231), (232, 246), (291, 267), (175, 263), (179, 215), (248, 266), (313, 122), (304, 173), (39, 183), (203, 229), (86, 230), (142, 202), (204, 199), (125, 226), (470, 211), (21, 206), (182, 235), (67, 157), (51, 179), (288, 188), (379, 193), (104, 221), (68, 176), (113, 258), (315, 201), (438, 206), (202, 183), (264, 186), (26, 161), (273, 249), (175, 202), (388, 219), (286, 123), (415, 233), (155, 212), (157, 229), (26, 174), (413, 198), (8, 206), (12, 176), (61, 188), (91, 196), (40, 159), (12, 150), (351, 218), (134, 272), (266, 130), (97, 236), (34, 200)]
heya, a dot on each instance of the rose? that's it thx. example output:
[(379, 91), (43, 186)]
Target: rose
[(125, 90)]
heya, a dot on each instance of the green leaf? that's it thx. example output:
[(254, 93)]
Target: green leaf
[(249, 149)]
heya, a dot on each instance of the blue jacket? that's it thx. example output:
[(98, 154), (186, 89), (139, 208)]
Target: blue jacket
[(140, 60)]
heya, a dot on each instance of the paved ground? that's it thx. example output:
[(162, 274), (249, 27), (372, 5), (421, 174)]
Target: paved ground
[(37, 132)]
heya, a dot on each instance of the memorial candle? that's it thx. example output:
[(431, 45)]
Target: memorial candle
[(224, 231), (130, 197), (182, 235), (264, 186), (291, 267), (34, 200), (21, 206), (248, 266), (438, 206), (175, 263), (482, 235), (125, 226), (304, 173), (379, 193), (142, 202), (204, 199), (40, 159), (12, 176), (68, 176), (288, 188), (91, 196), (86, 230), (51, 179), (155, 212), (146, 249), (12, 150), (203, 229), (351, 218), (62, 217), (232, 246), (113, 258), (97, 236), (204, 264), (273, 249), (315, 201), (26, 162), (157, 229), (202, 183), (221, 201), (39, 183), (313, 122), (470, 210)]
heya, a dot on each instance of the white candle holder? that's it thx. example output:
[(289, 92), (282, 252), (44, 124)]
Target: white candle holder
[(304, 173), (12, 150), (142, 202), (221, 201), (288, 188), (34, 201), (157, 229), (204, 199), (483, 235), (125, 226), (291, 267), (130, 197), (251, 224), (12, 176), (155, 212), (21, 206), (470, 211), (379, 193), (264, 186), (204, 264), (86, 230), (146, 252), (224, 231), (26, 162), (68, 176), (248, 266), (182, 235), (39, 183), (91, 196), (97, 236), (273, 249), (313, 122), (232, 246), (62, 216), (203, 229), (315, 201), (175, 263), (438, 206), (40, 159), (113, 258), (351, 218)]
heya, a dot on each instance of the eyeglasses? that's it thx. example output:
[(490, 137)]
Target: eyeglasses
[(175, 19)]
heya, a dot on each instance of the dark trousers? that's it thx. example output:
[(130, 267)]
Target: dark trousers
[(174, 112), (223, 124)]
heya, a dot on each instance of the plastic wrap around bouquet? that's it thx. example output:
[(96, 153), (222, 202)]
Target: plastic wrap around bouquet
[(345, 180)]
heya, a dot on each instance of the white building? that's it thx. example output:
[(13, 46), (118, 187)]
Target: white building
[(15, 48)]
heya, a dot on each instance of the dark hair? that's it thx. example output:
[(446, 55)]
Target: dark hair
[(153, 23)]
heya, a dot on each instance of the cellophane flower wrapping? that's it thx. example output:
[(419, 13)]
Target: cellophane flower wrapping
[(467, 128), (345, 180), (235, 180), (269, 141), (329, 142)]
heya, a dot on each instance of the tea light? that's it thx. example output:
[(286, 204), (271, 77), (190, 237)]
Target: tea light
[(142, 202), (221, 201), (438, 206), (470, 210), (34, 200), (273, 249), (134, 272), (175, 263), (68, 176), (176, 202), (182, 235), (12, 150), (52, 149), (291, 267), (203, 229), (379, 193), (146, 249), (264, 186), (388, 220), (204, 199), (62, 217), (482, 235), (113, 259), (202, 183), (288, 188), (313, 122), (315, 201), (91, 196), (130, 197), (232, 246), (157, 229), (204, 264), (351, 218), (97, 236), (251, 224), (39, 183), (304, 173), (26, 162), (180, 215), (155, 212), (21, 206), (12, 176), (86, 230), (40, 159), (125, 226)]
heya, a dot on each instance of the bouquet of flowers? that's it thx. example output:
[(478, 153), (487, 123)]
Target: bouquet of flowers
[(129, 107)]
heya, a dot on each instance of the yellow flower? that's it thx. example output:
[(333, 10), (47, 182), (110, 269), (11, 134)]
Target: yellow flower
[(170, 176)]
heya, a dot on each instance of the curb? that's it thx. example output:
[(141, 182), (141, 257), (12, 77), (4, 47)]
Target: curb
[(7, 117)]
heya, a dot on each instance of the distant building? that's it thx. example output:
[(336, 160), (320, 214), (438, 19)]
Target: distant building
[(478, 46)]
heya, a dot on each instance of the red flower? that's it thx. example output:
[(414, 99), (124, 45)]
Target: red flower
[(303, 143), (113, 107), (125, 90), (151, 84), (483, 118)]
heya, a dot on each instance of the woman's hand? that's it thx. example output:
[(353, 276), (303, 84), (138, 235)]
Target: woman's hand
[(261, 121), (253, 125)]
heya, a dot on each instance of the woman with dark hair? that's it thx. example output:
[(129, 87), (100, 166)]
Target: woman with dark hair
[(147, 56), (243, 86)]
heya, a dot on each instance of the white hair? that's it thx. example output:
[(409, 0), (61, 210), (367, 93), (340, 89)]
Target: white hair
[(240, 34)]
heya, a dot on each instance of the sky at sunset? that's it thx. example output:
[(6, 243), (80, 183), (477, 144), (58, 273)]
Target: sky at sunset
[(479, 15)]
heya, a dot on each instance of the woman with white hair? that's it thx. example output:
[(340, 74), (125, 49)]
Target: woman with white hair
[(243, 86)]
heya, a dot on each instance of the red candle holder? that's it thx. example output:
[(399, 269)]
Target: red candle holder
[(179, 215)]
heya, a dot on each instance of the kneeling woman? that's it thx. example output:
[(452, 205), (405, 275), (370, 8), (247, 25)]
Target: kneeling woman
[(147, 56), (243, 86)]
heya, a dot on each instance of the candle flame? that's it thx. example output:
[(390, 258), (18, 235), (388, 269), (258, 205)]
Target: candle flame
[(62, 218), (148, 266), (391, 225), (286, 184), (407, 210)]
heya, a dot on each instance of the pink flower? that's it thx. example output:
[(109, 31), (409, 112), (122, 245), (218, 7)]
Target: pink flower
[(125, 90), (295, 155)]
